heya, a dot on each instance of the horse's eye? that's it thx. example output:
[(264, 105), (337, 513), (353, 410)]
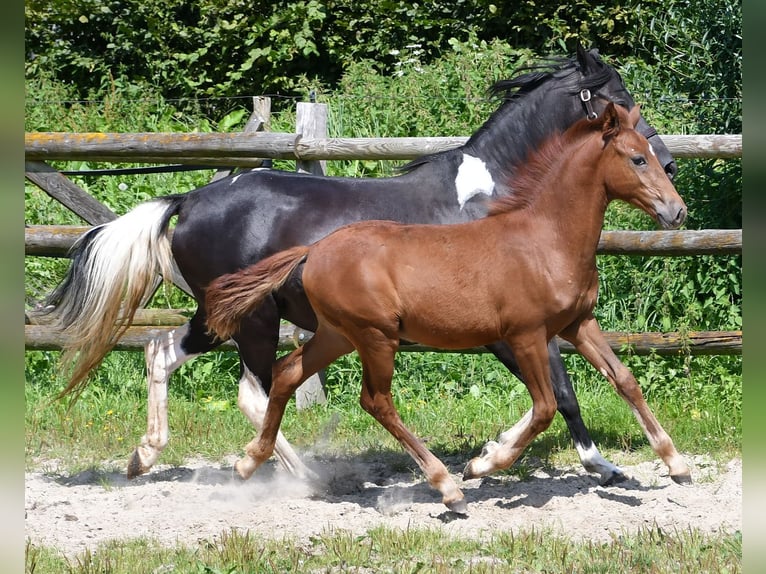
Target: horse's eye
[(638, 160)]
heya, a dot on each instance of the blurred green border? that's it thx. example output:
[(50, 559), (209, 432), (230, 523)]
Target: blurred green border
[(754, 271), (12, 289)]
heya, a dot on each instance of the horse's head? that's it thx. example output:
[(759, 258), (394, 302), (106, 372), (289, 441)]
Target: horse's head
[(601, 84), (633, 172)]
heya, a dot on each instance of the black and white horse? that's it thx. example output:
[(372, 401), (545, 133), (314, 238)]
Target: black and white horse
[(239, 220)]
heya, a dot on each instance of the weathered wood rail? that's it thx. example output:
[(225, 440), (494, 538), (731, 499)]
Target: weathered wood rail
[(148, 325), (56, 240), (244, 149)]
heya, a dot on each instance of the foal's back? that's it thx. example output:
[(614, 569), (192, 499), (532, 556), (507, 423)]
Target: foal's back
[(432, 284)]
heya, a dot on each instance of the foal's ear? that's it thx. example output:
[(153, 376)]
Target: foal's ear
[(611, 125), (635, 115)]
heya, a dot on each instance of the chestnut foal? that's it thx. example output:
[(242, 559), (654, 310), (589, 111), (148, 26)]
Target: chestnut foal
[(522, 275)]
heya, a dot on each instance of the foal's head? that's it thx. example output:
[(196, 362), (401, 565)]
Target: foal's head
[(632, 171)]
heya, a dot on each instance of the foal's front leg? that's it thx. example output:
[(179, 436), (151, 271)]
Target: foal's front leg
[(531, 354), (589, 341), (567, 404)]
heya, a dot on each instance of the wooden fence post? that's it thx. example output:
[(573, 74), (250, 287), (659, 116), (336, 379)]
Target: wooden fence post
[(310, 123)]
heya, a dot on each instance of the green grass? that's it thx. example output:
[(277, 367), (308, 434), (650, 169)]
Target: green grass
[(651, 550)]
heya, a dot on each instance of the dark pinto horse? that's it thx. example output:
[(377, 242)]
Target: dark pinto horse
[(521, 275), (239, 220)]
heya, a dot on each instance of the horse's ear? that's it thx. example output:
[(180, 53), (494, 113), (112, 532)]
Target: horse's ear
[(585, 59), (635, 115)]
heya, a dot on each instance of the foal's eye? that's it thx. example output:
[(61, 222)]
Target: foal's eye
[(638, 160)]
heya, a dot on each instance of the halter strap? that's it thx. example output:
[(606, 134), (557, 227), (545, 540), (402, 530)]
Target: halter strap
[(585, 98)]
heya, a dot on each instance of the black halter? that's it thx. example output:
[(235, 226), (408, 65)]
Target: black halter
[(586, 98)]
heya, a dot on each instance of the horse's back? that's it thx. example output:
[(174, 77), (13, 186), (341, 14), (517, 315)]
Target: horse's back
[(419, 283), (239, 220)]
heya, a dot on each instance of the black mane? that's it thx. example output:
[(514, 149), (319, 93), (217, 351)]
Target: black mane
[(564, 70)]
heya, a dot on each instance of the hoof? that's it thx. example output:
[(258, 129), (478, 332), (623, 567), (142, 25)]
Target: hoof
[(470, 471), (458, 506), (682, 478), (616, 477), (245, 467), (135, 468)]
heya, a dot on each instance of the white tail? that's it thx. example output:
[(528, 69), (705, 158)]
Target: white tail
[(113, 271)]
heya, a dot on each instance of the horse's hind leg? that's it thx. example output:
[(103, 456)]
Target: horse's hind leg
[(589, 341), (377, 356), (253, 401), (164, 354), (257, 342), (566, 402)]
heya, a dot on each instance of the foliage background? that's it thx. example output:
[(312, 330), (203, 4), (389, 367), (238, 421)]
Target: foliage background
[(392, 68)]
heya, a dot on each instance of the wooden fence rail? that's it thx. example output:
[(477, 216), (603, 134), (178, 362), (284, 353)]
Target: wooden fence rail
[(245, 149), (40, 337), (56, 240)]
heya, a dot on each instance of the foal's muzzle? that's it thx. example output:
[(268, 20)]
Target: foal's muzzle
[(672, 217)]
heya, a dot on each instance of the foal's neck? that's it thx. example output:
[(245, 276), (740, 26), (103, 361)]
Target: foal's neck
[(571, 200)]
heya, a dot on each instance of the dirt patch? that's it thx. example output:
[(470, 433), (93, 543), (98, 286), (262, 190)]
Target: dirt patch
[(200, 500)]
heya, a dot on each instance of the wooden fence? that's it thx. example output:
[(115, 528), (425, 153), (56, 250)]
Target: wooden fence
[(311, 149)]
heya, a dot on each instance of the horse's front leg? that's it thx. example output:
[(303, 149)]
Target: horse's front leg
[(531, 354), (567, 404), (164, 355), (589, 341)]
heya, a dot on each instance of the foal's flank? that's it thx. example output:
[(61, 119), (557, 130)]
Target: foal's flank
[(521, 275)]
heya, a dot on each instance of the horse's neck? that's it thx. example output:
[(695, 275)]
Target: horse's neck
[(505, 140)]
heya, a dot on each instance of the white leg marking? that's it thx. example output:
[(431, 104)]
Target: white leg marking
[(592, 461), (511, 436), (163, 356), (252, 401), (472, 178)]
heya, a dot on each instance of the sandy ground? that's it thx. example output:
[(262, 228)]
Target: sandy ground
[(200, 500)]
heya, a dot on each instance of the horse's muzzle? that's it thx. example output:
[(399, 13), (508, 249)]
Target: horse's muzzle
[(671, 169)]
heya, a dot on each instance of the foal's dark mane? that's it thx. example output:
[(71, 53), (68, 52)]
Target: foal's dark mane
[(530, 175), (531, 76)]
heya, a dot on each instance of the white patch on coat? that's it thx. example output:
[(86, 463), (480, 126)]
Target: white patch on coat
[(472, 178)]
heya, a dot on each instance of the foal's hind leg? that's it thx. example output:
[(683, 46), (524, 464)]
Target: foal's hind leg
[(164, 355), (567, 405), (589, 341), (257, 342), (288, 374), (377, 356)]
